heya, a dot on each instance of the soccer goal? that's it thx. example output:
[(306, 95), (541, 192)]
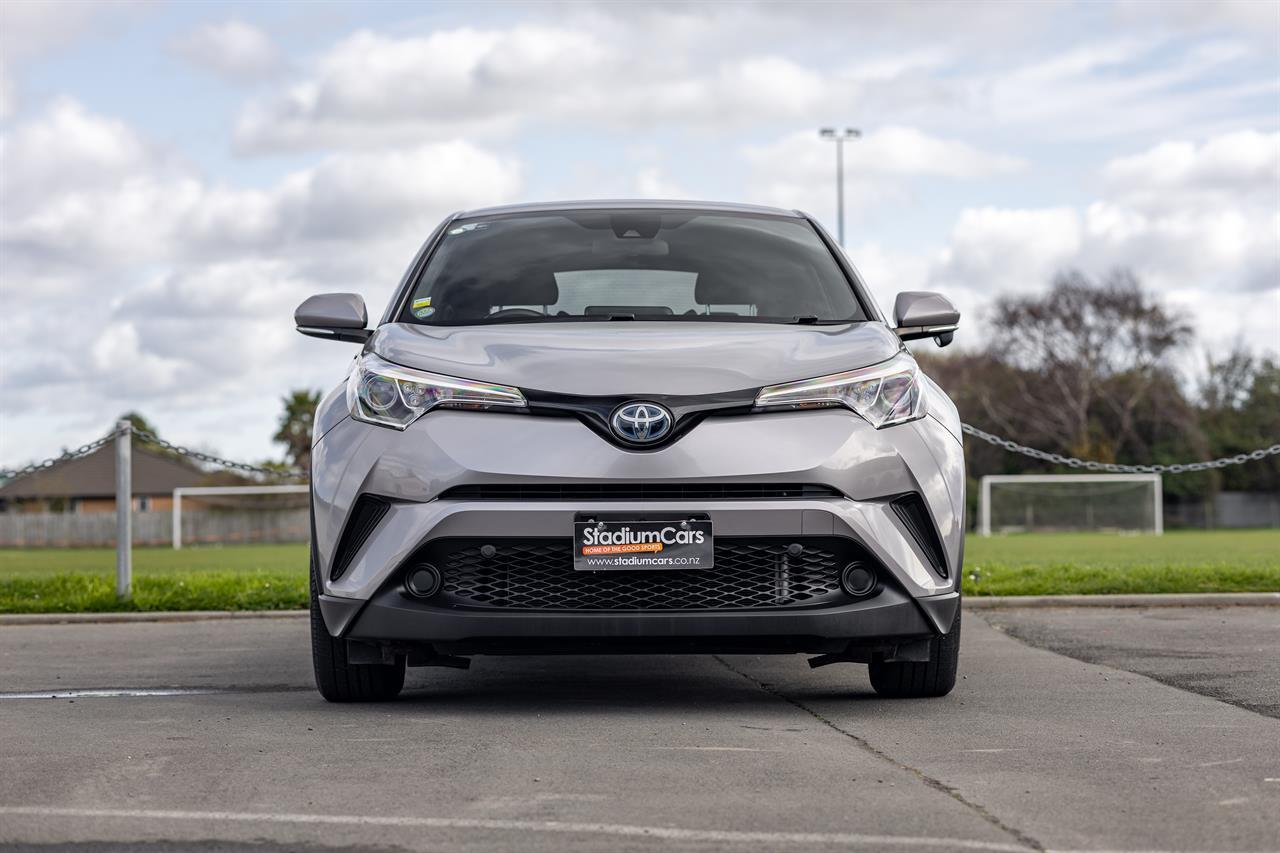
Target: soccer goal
[(225, 518), (1058, 503)]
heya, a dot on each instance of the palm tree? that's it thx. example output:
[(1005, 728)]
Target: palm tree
[(295, 426)]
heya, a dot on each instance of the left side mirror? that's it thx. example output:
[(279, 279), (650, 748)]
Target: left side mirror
[(920, 314), (334, 316)]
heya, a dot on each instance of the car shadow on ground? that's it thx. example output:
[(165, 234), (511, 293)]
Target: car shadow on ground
[(604, 685)]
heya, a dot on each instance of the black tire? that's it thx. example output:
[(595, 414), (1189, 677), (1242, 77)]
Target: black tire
[(937, 677), (336, 679)]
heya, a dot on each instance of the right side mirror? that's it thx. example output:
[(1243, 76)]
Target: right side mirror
[(334, 316), (920, 314)]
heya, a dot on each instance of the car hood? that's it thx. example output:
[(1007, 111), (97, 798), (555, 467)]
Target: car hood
[(635, 358)]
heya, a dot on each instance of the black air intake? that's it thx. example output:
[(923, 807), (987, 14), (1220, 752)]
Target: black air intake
[(363, 520), (911, 510), (538, 574)]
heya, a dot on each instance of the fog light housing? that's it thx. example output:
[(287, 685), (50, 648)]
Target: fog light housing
[(858, 580), (422, 581)]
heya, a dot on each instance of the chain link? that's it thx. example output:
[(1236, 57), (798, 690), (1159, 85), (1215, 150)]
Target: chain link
[(65, 456), (1113, 468), (150, 438), (1006, 444)]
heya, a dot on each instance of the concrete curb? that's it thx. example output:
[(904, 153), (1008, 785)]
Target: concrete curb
[(972, 602), (160, 616), (1171, 599)]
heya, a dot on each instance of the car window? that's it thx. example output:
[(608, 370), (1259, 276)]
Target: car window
[(631, 264)]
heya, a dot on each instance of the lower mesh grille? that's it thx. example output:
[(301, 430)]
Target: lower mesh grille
[(539, 575)]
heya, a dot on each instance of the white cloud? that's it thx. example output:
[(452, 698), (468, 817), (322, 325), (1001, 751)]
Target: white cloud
[(797, 170), (181, 291), (1227, 166), (371, 89), (652, 182), (86, 190), (1200, 224), (1256, 19), (593, 66), (67, 149), (1117, 87), (993, 250), (30, 29), (233, 50)]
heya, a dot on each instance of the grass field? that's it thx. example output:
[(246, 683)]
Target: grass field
[(1180, 561), (272, 577), (237, 577)]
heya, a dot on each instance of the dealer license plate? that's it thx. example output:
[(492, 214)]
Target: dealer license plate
[(642, 545)]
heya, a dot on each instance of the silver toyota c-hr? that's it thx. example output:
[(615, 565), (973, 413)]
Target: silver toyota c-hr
[(607, 427)]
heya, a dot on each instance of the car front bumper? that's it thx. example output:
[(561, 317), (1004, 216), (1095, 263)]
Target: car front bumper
[(413, 468)]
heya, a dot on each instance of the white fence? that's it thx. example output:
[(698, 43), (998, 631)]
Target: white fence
[(98, 530)]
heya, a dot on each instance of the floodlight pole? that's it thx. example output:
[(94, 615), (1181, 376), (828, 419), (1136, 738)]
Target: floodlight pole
[(124, 510), (839, 139)]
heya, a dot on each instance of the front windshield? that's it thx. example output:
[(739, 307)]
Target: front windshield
[(583, 265)]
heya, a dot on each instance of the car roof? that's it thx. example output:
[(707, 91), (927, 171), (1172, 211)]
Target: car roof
[(627, 204)]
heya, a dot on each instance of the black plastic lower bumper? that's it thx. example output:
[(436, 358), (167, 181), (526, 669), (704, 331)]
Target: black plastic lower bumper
[(391, 617)]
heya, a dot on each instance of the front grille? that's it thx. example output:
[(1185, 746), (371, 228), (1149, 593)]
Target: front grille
[(539, 575), (639, 492)]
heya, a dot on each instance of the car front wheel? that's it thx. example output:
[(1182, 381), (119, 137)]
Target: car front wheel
[(336, 678), (911, 680)]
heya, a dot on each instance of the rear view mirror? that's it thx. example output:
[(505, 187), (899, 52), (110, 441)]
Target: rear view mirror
[(921, 314), (336, 316)]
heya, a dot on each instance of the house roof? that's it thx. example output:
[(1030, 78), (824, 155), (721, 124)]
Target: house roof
[(94, 476)]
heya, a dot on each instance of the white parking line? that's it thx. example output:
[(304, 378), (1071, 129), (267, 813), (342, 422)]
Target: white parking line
[(666, 833), (713, 748), (115, 694)]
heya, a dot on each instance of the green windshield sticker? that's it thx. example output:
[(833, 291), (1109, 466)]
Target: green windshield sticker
[(424, 302)]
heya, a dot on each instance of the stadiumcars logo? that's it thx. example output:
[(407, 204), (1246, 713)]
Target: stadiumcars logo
[(638, 545)]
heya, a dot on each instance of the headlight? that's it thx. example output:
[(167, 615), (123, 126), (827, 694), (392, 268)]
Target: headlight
[(383, 393), (884, 394)]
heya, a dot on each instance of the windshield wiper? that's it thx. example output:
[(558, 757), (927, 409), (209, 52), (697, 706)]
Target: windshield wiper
[(804, 320)]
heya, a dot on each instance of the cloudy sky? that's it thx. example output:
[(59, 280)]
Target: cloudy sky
[(176, 177)]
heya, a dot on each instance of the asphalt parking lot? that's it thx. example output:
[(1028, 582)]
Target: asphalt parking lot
[(209, 735)]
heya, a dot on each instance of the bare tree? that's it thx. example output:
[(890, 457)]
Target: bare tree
[(1088, 355)]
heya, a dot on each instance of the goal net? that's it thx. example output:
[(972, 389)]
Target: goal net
[(226, 515), (1058, 503)]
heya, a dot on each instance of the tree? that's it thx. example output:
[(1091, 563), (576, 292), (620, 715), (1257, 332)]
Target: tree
[(295, 426), (1089, 355), (1084, 369), (141, 424), (1240, 410)]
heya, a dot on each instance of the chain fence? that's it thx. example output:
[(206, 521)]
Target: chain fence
[(153, 439), (1114, 468), (65, 456), (990, 438)]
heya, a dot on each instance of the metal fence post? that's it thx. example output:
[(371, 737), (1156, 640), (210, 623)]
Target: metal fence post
[(177, 519), (124, 510)]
